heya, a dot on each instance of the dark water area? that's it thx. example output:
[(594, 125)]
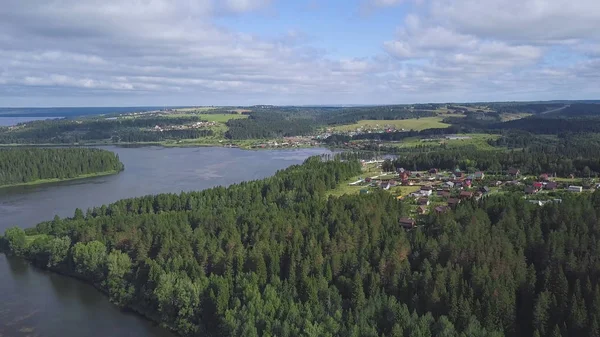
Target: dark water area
[(9, 121), (34, 302), (72, 111)]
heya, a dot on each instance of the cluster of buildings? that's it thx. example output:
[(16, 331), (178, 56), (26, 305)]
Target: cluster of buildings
[(196, 125), (299, 141), (544, 182)]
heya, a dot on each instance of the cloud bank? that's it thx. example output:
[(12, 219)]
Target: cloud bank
[(165, 52)]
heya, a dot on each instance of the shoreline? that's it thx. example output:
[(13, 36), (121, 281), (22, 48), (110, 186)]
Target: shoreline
[(233, 145), (135, 310), (59, 180)]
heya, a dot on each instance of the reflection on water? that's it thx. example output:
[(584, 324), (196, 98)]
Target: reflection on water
[(34, 302)]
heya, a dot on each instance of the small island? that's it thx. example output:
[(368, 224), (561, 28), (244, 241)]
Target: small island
[(32, 166)]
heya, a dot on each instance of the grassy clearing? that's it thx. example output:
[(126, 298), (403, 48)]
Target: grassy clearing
[(404, 190), (506, 117), (222, 118), (56, 180), (196, 109), (30, 238), (407, 124), (479, 140)]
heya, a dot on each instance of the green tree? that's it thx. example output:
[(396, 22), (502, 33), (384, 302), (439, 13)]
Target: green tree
[(16, 240), (90, 258), (59, 249), (118, 265)]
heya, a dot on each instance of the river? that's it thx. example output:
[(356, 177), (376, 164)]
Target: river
[(34, 302)]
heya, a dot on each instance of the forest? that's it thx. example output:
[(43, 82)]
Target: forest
[(294, 121), (276, 257), (68, 131), (26, 165)]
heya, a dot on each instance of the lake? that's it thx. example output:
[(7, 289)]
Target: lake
[(9, 121), (34, 302)]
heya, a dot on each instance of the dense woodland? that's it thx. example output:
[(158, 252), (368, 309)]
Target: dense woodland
[(66, 131), (564, 158), (294, 121), (24, 165), (277, 258)]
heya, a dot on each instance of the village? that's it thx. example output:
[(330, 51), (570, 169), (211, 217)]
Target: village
[(438, 191), (196, 125)]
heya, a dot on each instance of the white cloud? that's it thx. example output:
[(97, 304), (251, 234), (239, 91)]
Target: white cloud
[(522, 20), (239, 6), (494, 47), (172, 52)]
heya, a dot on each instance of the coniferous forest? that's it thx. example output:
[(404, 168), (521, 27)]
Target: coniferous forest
[(277, 257), (26, 165)]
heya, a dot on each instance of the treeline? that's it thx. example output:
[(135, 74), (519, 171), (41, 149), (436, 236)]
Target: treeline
[(277, 258), (24, 165), (266, 124), (274, 122), (353, 115), (66, 131), (531, 107), (534, 160)]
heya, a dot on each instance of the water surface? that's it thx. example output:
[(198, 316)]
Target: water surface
[(9, 121), (38, 303)]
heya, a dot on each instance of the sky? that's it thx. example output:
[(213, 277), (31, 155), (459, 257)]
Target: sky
[(296, 52)]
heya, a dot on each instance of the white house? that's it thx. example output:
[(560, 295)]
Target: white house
[(577, 189)]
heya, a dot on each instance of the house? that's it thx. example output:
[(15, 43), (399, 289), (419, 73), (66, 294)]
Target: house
[(479, 175), (477, 195), (467, 183), (498, 183), (368, 179), (453, 202), (421, 209), (393, 183), (514, 172), (484, 190), (404, 175), (407, 223), (433, 171), (426, 190), (544, 177), (466, 195), (551, 185), (443, 194), (441, 209), (423, 201), (537, 202), (449, 184), (538, 185), (530, 190), (576, 189), (407, 182), (386, 186)]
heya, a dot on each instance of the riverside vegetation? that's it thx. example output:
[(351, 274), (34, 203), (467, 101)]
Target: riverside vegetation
[(277, 257), (22, 166)]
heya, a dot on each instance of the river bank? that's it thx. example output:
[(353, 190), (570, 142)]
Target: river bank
[(54, 305), (58, 180)]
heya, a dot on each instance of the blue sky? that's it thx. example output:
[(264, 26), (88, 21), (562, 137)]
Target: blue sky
[(243, 52)]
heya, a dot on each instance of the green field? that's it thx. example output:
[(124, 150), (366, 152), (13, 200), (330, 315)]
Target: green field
[(506, 117), (195, 109), (477, 139), (407, 124), (222, 118)]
